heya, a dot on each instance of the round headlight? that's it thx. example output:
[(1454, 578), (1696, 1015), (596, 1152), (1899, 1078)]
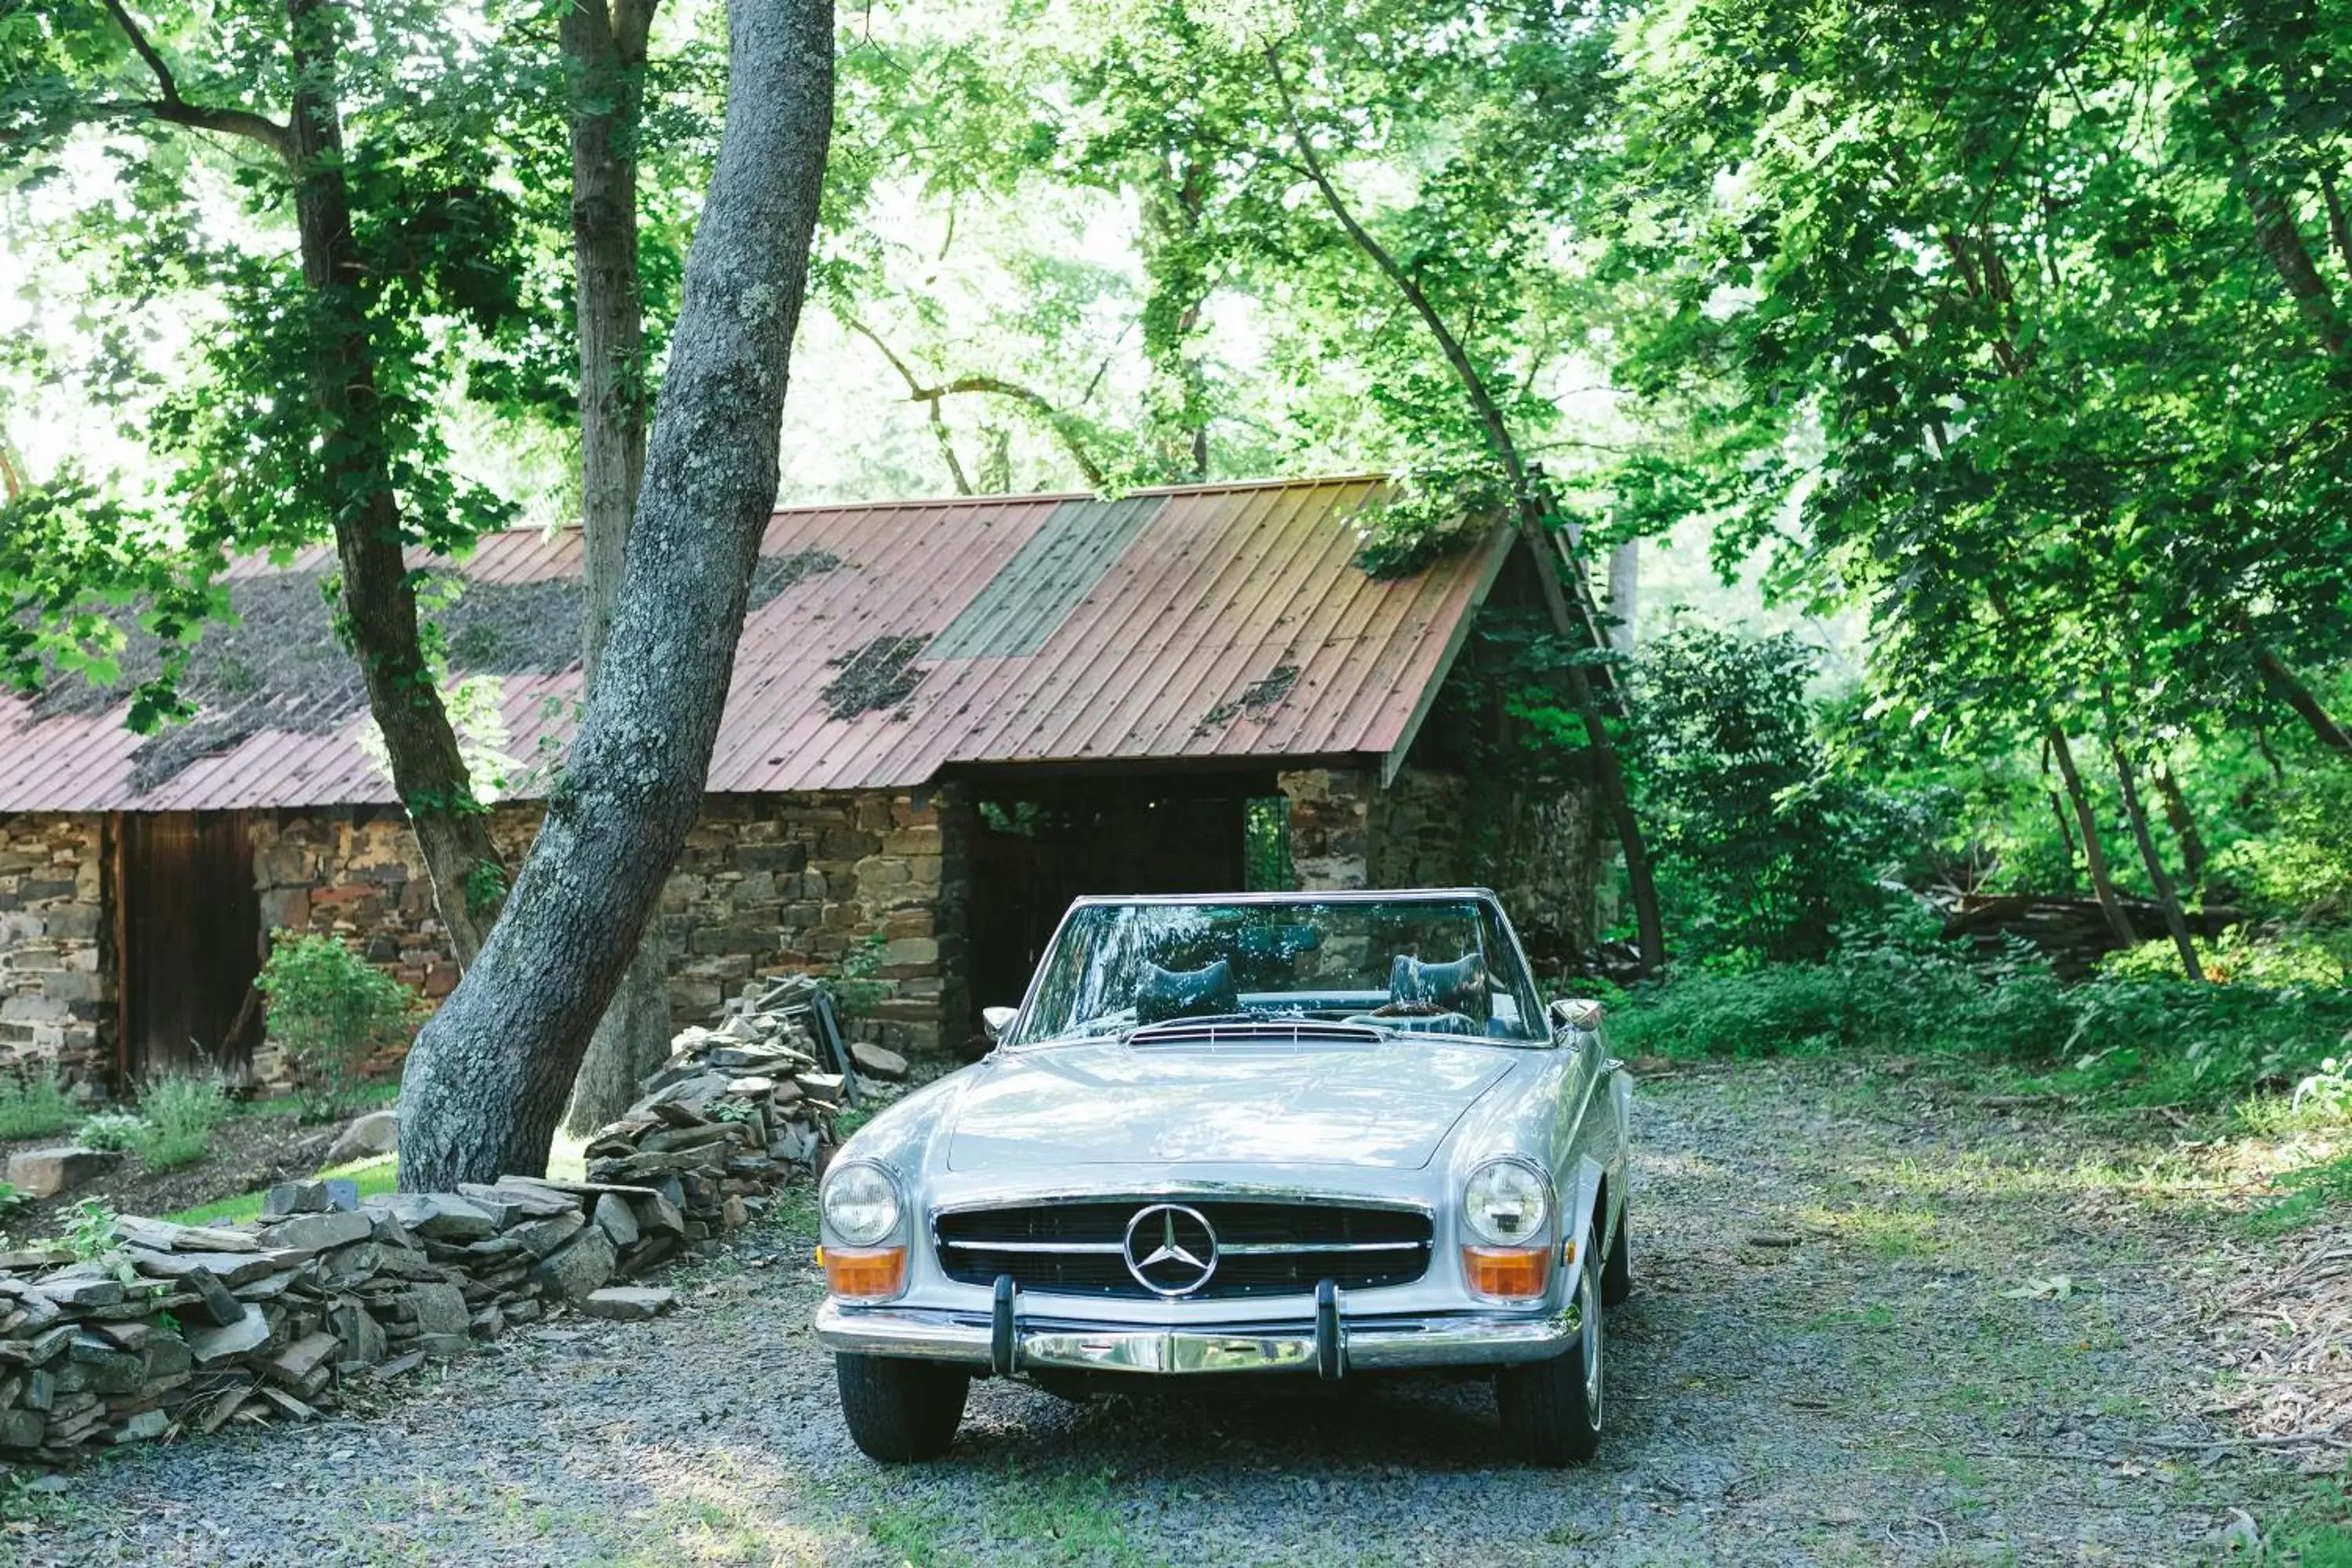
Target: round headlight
[(861, 1204), (1505, 1204)]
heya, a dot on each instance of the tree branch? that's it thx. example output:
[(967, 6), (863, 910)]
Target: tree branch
[(1052, 417), (171, 107)]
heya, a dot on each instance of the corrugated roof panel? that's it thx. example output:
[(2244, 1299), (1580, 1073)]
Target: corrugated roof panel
[(1222, 621)]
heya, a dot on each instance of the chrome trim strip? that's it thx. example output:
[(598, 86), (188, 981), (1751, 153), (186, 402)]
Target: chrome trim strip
[(1372, 1343), (1283, 1248), (1109, 1247), (1197, 1191)]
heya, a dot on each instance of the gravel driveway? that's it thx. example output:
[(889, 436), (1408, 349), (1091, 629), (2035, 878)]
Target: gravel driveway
[(1872, 1325)]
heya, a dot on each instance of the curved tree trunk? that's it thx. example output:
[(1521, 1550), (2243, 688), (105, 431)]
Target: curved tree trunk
[(2167, 897), (488, 1078), (604, 51), (428, 770), (2095, 854), (1574, 616)]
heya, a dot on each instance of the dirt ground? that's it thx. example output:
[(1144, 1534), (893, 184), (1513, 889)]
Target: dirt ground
[(250, 1152), (1874, 1321)]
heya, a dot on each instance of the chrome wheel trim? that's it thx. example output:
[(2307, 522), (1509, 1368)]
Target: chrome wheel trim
[(1588, 1304)]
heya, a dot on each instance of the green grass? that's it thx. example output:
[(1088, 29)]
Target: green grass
[(358, 1101), (35, 1107), (381, 1174)]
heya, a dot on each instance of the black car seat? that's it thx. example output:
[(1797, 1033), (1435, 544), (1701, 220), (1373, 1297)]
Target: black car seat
[(1456, 988), (1186, 993)]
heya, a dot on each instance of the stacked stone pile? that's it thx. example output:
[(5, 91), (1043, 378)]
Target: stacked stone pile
[(184, 1328), (171, 1329), (739, 1107)]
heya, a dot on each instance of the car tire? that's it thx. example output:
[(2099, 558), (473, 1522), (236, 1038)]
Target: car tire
[(1551, 1409), (900, 1411), (1617, 1268)]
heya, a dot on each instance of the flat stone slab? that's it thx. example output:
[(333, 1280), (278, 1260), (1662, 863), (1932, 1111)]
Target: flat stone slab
[(627, 1303), (250, 1332), (45, 1173), (318, 1232)]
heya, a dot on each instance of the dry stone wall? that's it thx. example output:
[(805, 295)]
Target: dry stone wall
[(174, 1330), (56, 984)]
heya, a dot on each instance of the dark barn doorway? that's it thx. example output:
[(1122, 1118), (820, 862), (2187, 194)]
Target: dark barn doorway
[(1037, 845), (192, 943)]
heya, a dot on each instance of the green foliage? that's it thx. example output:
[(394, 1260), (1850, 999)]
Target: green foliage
[(35, 1107), (113, 1130), (332, 1011), (181, 1110), (855, 992), (1437, 511), (1765, 850), (89, 1233), (2136, 1038), (11, 1199)]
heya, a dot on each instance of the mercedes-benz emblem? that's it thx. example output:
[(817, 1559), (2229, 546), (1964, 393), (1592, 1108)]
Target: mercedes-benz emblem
[(1170, 1250)]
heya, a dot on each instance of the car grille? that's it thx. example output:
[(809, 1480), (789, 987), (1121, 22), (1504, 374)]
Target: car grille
[(1263, 1248)]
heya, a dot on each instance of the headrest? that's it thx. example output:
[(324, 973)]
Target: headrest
[(1458, 987), (1185, 992)]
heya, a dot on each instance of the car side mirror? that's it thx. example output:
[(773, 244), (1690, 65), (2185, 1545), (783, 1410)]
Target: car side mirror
[(1582, 1014), (994, 1021)]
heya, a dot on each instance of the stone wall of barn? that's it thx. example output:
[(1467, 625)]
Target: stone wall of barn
[(1434, 829), (56, 984), (868, 887)]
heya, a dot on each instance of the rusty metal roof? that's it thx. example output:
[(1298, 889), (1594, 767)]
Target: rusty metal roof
[(1188, 625)]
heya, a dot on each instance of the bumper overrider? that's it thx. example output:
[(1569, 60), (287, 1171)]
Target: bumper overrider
[(1021, 1336)]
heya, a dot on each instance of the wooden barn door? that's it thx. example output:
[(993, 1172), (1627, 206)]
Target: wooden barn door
[(192, 942)]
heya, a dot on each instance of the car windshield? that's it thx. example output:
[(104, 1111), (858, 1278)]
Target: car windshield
[(1435, 966)]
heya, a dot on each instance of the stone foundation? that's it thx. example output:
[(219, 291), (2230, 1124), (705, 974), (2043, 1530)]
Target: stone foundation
[(57, 988)]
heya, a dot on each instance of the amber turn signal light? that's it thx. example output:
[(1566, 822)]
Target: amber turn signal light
[(865, 1273), (1507, 1273)]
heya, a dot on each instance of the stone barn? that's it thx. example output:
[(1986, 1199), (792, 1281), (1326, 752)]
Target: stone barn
[(948, 718)]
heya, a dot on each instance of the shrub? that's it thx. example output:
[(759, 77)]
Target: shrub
[(181, 1111), (1764, 847), (113, 1130), (331, 1011), (12, 1198), (35, 1107), (2164, 1037)]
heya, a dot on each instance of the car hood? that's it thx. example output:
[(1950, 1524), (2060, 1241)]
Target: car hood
[(1387, 1106)]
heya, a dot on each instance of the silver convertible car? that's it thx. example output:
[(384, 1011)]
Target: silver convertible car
[(1325, 1136)]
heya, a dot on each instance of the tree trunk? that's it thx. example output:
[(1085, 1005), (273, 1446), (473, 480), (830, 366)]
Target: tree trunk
[(1624, 594), (2095, 854), (2183, 821), (486, 1080), (2167, 897), (604, 51), (2307, 706), (1177, 287), (1576, 623), (379, 607)]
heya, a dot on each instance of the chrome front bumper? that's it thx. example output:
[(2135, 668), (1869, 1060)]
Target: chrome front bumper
[(1366, 1344)]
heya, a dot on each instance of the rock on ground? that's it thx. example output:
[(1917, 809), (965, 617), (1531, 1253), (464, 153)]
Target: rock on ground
[(377, 1133), (45, 1173)]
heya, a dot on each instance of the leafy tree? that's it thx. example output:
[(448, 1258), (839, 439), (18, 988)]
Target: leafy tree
[(1768, 847), (372, 145)]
